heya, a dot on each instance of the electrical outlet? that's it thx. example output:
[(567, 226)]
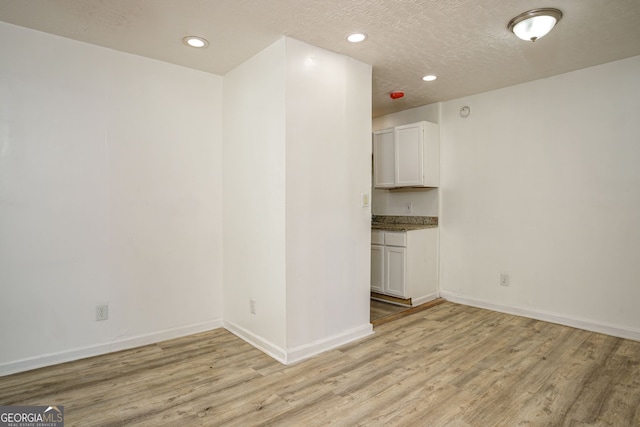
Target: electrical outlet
[(408, 208), (252, 306), (102, 312), (504, 279)]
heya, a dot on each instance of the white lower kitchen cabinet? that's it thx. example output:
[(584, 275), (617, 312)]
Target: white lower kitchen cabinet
[(404, 264), (395, 265), (377, 268)]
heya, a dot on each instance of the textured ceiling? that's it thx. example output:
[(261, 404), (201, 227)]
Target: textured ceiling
[(464, 42)]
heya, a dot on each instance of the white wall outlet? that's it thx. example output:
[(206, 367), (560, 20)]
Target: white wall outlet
[(102, 312), (408, 208), (252, 306), (504, 279)]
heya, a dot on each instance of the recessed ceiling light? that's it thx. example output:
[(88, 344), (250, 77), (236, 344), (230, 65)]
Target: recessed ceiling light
[(356, 37), (429, 78), (534, 24), (195, 41)]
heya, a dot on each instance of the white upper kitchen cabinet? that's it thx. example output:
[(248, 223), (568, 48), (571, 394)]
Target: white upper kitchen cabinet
[(407, 156)]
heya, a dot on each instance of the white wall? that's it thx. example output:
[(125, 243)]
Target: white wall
[(429, 113), (541, 181), (296, 238), (254, 199), (424, 203), (110, 189), (328, 169)]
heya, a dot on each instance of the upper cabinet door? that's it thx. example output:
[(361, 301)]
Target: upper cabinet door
[(409, 155), (383, 158)]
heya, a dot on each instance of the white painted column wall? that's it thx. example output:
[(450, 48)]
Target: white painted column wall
[(328, 169), (254, 199), (297, 160)]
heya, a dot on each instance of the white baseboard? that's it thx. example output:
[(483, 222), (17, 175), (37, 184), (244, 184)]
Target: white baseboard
[(285, 357), (258, 342), (96, 350), (423, 299), (297, 354), (391, 302), (561, 319), (306, 351)]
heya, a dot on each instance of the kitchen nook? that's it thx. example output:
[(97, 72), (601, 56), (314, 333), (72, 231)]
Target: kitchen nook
[(404, 229)]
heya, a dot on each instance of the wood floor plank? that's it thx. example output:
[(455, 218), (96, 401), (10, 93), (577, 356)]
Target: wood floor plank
[(379, 309), (449, 365)]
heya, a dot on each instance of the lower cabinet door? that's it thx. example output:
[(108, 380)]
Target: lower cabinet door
[(377, 268), (394, 262)]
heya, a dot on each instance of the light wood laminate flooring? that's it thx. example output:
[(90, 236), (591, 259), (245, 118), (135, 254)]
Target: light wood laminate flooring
[(379, 309), (450, 365)]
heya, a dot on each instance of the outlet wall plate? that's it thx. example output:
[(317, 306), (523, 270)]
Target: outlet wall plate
[(504, 279), (102, 312)]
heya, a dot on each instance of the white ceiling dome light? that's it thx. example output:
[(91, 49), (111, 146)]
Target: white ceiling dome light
[(534, 24)]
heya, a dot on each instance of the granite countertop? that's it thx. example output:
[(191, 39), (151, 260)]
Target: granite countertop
[(400, 227), (403, 223)]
